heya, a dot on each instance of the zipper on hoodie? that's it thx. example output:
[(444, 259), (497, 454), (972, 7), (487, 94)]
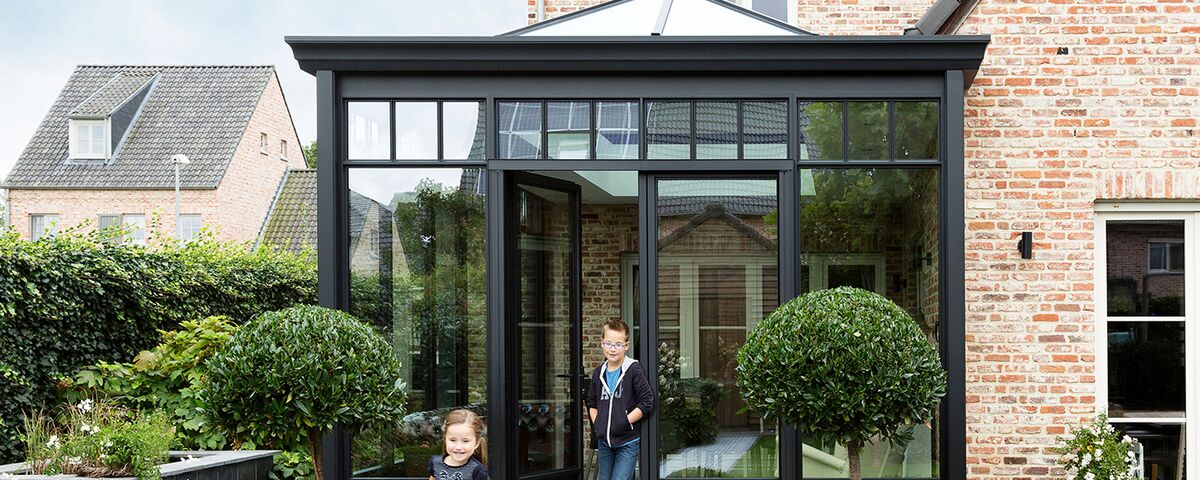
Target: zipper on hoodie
[(612, 394)]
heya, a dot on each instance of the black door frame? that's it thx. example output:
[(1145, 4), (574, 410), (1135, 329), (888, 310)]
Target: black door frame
[(511, 219)]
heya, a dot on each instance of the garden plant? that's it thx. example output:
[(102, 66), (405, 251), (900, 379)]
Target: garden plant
[(1096, 451), (843, 364), (95, 438), (298, 372)]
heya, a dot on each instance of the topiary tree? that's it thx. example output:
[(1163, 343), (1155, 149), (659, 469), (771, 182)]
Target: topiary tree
[(297, 372), (844, 363)]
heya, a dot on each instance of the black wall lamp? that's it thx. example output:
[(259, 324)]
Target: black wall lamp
[(1026, 245)]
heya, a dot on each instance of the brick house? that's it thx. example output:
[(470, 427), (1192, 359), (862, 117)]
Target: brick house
[(102, 154), (1078, 127)]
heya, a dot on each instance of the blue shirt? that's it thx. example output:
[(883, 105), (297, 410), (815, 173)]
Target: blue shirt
[(611, 377)]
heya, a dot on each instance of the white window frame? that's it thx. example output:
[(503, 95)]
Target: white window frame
[(130, 237), (1189, 214), (49, 225), (283, 150), (263, 143), (818, 267), (73, 137), (187, 232)]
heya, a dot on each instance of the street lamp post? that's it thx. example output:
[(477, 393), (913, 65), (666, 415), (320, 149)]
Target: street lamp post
[(178, 159)]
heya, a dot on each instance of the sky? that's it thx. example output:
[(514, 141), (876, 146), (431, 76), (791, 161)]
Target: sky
[(42, 41)]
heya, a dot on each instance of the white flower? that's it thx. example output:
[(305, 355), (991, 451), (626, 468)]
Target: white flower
[(85, 405), (53, 441), (1099, 453), (7, 476), (1089, 476), (1126, 439), (88, 429)]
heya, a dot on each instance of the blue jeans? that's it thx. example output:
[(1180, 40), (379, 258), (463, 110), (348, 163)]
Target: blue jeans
[(616, 463)]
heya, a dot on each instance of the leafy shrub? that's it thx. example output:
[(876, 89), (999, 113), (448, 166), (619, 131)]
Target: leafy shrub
[(98, 439), (688, 405), (167, 378), (74, 300), (1095, 452), (846, 363), (299, 371)]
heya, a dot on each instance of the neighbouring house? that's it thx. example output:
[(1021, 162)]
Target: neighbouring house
[(103, 154)]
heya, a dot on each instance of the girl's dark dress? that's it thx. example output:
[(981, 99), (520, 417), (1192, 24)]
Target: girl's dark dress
[(472, 470)]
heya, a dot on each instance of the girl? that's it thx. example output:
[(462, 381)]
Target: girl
[(464, 455)]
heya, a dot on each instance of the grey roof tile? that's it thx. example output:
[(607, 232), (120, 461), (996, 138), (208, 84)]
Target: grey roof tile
[(199, 111), (118, 89)]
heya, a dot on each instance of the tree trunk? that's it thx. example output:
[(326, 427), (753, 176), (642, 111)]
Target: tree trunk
[(314, 449), (853, 448)]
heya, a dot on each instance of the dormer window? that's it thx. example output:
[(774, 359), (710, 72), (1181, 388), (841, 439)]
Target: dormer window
[(89, 139)]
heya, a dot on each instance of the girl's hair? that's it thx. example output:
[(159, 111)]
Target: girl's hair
[(471, 419)]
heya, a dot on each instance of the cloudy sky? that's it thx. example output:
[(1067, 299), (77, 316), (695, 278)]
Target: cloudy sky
[(41, 42)]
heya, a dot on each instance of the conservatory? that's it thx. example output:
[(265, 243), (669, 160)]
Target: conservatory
[(489, 202)]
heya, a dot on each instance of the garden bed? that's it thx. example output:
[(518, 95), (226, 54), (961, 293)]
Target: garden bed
[(185, 465)]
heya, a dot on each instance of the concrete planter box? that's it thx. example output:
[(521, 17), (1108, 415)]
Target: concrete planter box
[(204, 465)]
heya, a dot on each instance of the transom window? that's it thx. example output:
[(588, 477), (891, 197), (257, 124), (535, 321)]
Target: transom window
[(89, 139), (416, 130)]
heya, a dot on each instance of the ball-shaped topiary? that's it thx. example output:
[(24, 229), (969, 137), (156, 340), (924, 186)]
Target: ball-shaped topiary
[(844, 363), (296, 372)]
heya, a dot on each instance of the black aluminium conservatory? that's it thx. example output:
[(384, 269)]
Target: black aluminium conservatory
[(489, 202)]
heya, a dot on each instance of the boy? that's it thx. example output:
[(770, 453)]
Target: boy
[(618, 398)]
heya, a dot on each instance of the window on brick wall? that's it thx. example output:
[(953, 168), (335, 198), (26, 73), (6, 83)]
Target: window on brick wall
[(1143, 357), (262, 142), (42, 225), (190, 225), (135, 226)]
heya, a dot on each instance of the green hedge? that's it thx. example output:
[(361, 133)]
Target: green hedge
[(74, 300)]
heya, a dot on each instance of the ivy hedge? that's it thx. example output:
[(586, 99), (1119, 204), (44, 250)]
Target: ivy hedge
[(75, 300)]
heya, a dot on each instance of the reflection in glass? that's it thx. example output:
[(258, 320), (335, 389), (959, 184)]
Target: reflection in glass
[(463, 130), (668, 130), (916, 130), (875, 229), (868, 125), (568, 129), (617, 130), (1145, 268), (416, 130), (764, 130), (821, 131), (417, 251), (368, 136), (716, 278), (716, 130), (1162, 447), (1145, 369), (547, 421), (520, 126)]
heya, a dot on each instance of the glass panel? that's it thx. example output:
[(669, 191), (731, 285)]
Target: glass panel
[(369, 137), (875, 229), (716, 130), (568, 129), (83, 139), (98, 140), (1145, 268), (764, 130), (868, 130), (417, 271), (617, 130), (668, 130), (917, 130), (416, 130), (1162, 448), (547, 420), (463, 130), (821, 131), (716, 248), (520, 130), (1145, 369)]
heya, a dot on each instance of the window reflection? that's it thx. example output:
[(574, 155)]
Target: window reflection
[(416, 130), (568, 129), (617, 130), (368, 137), (520, 125), (668, 130), (1145, 268), (463, 130), (417, 251), (875, 229)]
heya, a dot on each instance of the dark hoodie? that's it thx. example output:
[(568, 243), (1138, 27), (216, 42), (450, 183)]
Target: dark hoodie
[(633, 391)]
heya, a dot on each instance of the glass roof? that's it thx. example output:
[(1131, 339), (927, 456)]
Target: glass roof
[(661, 17)]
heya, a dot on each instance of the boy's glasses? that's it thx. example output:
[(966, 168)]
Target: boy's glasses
[(613, 346)]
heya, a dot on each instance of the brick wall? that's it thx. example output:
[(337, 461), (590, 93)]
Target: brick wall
[(1076, 101), (75, 207), (253, 177)]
